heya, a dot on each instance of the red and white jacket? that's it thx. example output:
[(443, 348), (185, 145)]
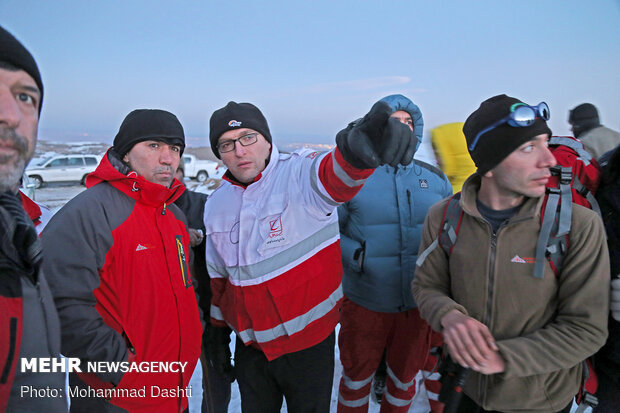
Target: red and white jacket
[(273, 250)]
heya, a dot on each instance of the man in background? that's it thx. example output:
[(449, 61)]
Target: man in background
[(607, 360), (586, 126), (29, 326), (215, 382)]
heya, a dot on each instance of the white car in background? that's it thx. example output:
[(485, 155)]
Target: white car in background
[(199, 169), (62, 168)]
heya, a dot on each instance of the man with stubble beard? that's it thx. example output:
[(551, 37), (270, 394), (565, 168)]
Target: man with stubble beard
[(29, 326)]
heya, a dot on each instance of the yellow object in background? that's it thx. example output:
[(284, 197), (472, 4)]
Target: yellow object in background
[(452, 155)]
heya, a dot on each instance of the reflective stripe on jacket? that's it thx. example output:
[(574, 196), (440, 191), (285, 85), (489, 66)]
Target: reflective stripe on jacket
[(273, 252)]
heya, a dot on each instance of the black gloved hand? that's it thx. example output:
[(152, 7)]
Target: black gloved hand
[(377, 139), (217, 350)]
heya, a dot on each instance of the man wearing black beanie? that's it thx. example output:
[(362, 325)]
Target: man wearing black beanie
[(273, 252), (586, 126), (524, 337), (29, 326), (124, 292)]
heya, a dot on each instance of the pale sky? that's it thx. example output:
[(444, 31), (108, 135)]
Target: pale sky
[(313, 66)]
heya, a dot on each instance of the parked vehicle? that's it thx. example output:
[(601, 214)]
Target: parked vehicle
[(199, 169), (62, 168)]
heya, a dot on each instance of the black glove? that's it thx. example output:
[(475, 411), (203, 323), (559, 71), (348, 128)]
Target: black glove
[(217, 350), (377, 139)]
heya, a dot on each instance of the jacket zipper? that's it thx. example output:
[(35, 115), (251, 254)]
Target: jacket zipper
[(489, 303), (163, 211)]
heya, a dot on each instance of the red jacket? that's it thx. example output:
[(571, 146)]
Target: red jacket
[(117, 257)]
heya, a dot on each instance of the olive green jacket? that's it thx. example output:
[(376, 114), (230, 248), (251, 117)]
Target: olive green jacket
[(544, 328)]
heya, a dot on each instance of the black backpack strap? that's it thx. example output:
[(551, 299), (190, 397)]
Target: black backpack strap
[(450, 224)]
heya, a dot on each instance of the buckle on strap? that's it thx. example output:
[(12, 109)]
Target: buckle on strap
[(587, 400), (566, 176)]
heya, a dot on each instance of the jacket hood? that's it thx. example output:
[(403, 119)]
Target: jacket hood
[(400, 102), (118, 174)]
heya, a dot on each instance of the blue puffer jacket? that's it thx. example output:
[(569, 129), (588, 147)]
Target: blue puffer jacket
[(381, 227)]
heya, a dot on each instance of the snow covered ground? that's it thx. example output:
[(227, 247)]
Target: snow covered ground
[(419, 405)]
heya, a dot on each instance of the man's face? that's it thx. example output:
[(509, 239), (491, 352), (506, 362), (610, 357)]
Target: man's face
[(525, 171), (403, 117), (19, 119), (245, 162), (156, 161)]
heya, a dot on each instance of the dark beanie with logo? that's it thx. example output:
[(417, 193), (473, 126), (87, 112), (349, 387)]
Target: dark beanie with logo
[(583, 118), (495, 145), (146, 125), (15, 54), (236, 116)]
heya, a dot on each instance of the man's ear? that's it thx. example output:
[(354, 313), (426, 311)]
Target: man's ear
[(488, 174)]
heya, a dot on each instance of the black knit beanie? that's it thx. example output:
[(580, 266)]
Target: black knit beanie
[(148, 124), (495, 145), (583, 118), (236, 116), (15, 54)]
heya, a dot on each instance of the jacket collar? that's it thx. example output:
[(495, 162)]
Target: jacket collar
[(118, 174), (469, 193)]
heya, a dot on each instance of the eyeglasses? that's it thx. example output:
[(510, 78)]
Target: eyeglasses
[(245, 140), (521, 116)]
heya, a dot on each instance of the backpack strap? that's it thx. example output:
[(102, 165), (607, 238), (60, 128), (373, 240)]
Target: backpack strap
[(548, 221), (448, 229), (589, 384), (575, 145), (555, 225), (585, 192), (566, 198), (450, 224)]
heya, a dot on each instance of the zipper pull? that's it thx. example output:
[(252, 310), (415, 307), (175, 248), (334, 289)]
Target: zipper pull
[(163, 211)]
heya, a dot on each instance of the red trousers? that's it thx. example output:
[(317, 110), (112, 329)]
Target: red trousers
[(363, 337)]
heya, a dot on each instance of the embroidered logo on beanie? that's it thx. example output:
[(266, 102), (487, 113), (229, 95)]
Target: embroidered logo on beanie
[(234, 123)]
